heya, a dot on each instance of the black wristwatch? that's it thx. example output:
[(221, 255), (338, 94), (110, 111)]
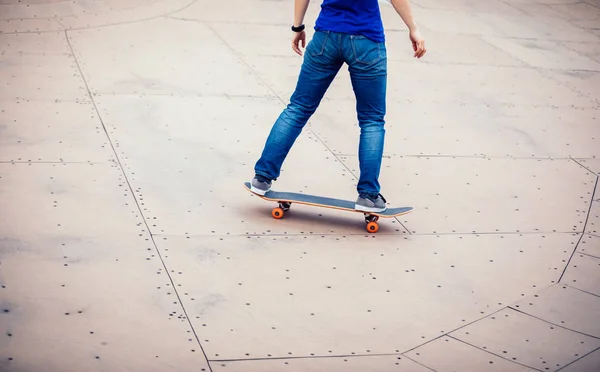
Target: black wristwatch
[(298, 29)]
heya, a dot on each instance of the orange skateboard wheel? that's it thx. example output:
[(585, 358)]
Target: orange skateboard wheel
[(372, 227), (277, 213)]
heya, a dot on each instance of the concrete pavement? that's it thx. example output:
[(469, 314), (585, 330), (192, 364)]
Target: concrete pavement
[(127, 242)]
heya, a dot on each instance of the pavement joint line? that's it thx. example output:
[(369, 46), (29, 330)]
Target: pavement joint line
[(564, 84), (587, 254), (580, 290), (578, 359), (137, 203), (60, 23), (583, 232), (17, 99), (168, 15), (535, 39), (337, 356), (228, 22), (583, 165), (320, 357), (229, 96), (392, 30), (554, 324), (496, 355), (354, 356), (52, 162), (592, 105), (528, 14), (62, 28), (447, 334), (419, 363), (592, 4), (516, 67), (316, 235), (484, 157)]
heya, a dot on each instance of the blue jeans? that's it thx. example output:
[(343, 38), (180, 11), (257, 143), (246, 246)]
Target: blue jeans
[(324, 56)]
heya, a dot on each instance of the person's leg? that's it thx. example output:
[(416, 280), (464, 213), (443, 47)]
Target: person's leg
[(367, 62), (322, 62)]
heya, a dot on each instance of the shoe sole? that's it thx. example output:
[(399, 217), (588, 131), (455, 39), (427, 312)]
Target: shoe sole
[(258, 191), (362, 208)]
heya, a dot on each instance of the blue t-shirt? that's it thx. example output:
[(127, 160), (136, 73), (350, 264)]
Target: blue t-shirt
[(357, 17)]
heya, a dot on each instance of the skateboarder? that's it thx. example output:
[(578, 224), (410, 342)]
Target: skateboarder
[(351, 32)]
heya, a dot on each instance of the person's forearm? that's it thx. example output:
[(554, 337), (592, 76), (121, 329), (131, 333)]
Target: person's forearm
[(300, 7), (403, 9)]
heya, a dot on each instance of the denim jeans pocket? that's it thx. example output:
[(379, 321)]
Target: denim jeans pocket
[(318, 43), (366, 50)]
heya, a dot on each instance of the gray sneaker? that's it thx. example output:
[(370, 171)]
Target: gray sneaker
[(260, 187), (366, 203)]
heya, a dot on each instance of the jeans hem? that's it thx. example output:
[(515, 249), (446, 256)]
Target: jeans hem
[(265, 175)]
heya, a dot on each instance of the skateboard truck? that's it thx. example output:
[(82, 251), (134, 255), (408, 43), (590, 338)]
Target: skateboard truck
[(370, 219), (278, 212)]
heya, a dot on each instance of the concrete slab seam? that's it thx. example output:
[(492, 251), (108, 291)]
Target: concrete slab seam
[(47, 162), (587, 254), (576, 360), (582, 235), (594, 101), (308, 357), (508, 307), (489, 352), (137, 203), (554, 324), (523, 64), (576, 160), (486, 157), (547, 6), (591, 4), (229, 22), (580, 290), (447, 334), (63, 28)]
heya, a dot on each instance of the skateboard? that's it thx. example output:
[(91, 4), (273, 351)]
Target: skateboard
[(285, 200)]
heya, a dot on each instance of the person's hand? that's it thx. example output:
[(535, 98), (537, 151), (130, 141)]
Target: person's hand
[(299, 38), (418, 43)]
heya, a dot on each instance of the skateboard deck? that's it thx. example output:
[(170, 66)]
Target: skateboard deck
[(285, 199)]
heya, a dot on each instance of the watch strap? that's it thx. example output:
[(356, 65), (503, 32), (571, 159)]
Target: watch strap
[(298, 29)]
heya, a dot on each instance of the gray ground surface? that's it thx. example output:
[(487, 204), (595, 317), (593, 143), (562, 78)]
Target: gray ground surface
[(127, 241)]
